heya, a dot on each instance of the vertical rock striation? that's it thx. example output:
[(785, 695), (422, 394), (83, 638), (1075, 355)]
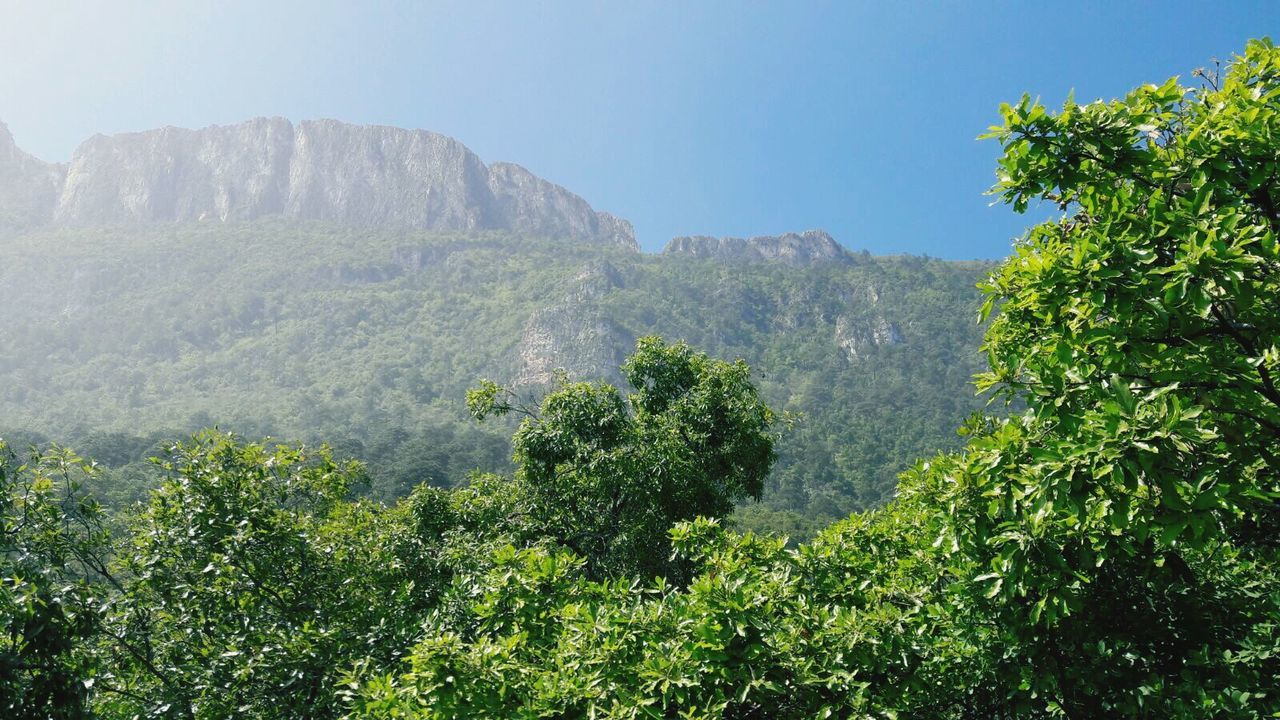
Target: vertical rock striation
[(315, 170), (220, 173), (524, 200), (376, 175)]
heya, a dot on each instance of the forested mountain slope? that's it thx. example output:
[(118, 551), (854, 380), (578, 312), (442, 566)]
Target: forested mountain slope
[(368, 338)]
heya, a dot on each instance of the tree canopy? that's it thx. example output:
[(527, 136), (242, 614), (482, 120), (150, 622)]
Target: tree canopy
[(607, 476)]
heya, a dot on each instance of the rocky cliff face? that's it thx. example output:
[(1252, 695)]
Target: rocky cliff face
[(855, 337), (315, 170), (804, 248), (236, 172), (28, 187), (388, 176), (574, 335), (524, 200)]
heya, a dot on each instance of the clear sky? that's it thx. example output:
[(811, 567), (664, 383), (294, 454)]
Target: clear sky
[(718, 118)]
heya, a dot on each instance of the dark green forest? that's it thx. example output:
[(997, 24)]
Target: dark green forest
[(1099, 541)]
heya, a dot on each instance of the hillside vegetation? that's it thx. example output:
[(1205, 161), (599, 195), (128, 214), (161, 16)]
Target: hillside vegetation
[(368, 339)]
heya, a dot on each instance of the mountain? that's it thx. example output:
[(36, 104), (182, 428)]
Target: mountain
[(315, 170), (323, 281)]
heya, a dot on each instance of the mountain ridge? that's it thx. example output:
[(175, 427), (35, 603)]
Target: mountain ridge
[(803, 248), (28, 186), (326, 170)]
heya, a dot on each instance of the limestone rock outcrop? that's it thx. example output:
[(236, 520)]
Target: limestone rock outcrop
[(238, 172), (28, 187), (315, 170), (806, 248), (525, 201), (575, 335), (856, 337)]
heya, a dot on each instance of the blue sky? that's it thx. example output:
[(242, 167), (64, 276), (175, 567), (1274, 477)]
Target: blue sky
[(719, 118)]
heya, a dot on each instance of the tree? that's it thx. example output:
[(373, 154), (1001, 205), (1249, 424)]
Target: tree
[(607, 477), (1124, 527), (53, 543), (252, 581)]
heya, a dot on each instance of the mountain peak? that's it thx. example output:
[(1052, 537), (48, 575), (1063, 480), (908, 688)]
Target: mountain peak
[(28, 186), (10, 153)]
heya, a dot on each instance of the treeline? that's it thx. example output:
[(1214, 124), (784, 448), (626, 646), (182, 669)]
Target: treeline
[(440, 454), (1110, 551)]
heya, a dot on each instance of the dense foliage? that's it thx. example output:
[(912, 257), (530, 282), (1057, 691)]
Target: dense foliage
[(1107, 550), (606, 477), (53, 542)]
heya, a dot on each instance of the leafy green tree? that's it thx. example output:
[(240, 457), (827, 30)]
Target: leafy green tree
[(53, 545), (847, 626), (1125, 525), (607, 476), (252, 581)]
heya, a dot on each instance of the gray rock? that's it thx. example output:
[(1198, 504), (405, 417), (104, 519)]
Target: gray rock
[(317, 170), (578, 340), (806, 248), (28, 187), (856, 337), (616, 231), (386, 176), (574, 335), (222, 173), (525, 201)]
